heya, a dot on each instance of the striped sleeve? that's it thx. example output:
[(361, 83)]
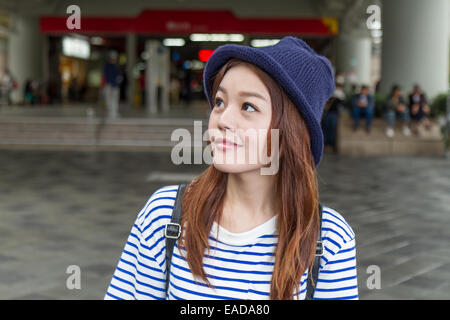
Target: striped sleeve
[(140, 272), (337, 278)]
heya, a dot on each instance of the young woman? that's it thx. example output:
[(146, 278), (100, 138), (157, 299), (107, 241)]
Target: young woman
[(248, 235)]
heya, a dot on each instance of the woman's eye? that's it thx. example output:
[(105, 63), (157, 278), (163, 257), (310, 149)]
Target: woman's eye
[(217, 101), (246, 106), (249, 105)]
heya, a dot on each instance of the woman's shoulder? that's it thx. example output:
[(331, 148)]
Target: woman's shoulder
[(157, 212), (336, 231)]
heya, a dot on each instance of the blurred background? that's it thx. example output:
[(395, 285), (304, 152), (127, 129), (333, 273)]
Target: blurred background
[(91, 91)]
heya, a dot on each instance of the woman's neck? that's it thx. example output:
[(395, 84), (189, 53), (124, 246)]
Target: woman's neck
[(250, 200)]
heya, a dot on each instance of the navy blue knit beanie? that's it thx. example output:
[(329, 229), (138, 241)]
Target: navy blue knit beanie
[(306, 77)]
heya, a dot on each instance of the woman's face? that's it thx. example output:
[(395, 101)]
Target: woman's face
[(241, 114)]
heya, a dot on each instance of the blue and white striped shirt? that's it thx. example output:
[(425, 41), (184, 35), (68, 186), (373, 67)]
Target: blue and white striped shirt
[(239, 265)]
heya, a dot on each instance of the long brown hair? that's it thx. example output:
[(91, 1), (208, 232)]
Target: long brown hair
[(296, 193)]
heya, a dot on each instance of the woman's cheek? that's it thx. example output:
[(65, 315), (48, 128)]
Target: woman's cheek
[(254, 149)]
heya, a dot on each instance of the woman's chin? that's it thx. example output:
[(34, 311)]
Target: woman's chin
[(235, 167)]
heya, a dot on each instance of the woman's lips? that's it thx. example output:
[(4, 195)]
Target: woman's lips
[(225, 145)]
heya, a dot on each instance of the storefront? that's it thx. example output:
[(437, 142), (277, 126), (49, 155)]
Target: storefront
[(190, 37)]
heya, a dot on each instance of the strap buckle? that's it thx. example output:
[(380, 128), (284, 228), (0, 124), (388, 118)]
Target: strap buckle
[(172, 230), (319, 249)]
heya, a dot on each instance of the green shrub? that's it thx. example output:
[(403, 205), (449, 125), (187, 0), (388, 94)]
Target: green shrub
[(446, 138), (439, 105), (439, 108), (380, 101)]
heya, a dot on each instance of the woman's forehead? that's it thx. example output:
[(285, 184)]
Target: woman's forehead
[(243, 78)]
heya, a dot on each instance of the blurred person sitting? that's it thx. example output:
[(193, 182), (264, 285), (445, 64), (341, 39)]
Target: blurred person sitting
[(362, 103), (331, 117), (396, 108), (420, 111)]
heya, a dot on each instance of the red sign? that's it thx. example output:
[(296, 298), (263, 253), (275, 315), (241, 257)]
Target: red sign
[(203, 55), (181, 22)]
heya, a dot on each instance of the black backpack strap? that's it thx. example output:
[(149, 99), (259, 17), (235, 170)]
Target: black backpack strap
[(172, 231), (310, 286)]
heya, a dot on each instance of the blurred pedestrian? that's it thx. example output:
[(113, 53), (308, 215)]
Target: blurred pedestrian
[(73, 90), (396, 108), (362, 104), (142, 88), (331, 117), (7, 85), (35, 88), (188, 87), (43, 93), (175, 90), (112, 77), (28, 93), (123, 84)]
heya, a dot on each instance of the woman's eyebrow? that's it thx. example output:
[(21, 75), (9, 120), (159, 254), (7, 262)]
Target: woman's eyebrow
[(244, 93)]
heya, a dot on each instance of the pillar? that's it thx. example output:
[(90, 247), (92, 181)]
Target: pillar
[(415, 46), (151, 77), (25, 48), (354, 54)]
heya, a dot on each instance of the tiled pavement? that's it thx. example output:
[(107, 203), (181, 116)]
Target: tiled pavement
[(76, 208)]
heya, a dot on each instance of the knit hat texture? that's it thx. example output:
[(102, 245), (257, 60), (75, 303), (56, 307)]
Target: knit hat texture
[(306, 77)]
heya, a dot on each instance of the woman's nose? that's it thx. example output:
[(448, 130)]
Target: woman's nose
[(227, 119)]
